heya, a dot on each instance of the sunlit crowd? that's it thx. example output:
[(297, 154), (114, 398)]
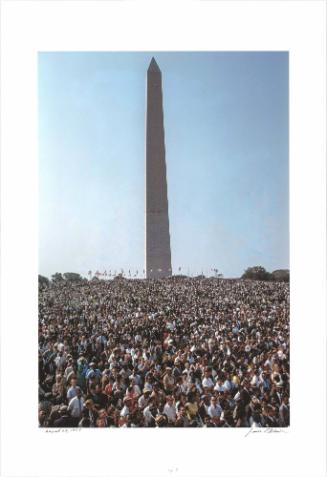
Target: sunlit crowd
[(174, 352)]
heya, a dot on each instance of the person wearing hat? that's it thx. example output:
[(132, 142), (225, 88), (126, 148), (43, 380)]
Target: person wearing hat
[(128, 404), (144, 399), (93, 373), (168, 380)]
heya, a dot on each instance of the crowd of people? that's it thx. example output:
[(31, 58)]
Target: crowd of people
[(174, 352)]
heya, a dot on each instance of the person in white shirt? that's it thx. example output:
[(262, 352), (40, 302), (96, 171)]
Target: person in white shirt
[(60, 360), (227, 384), (61, 347), (127, 407), (219, 386), (170, 409), (136, 377), (149, 412), (255, 421), (205, 403), (135, 388), (144, 399), (76, 404), (147, 387), (254, 380), (73, 390), (214, 410), (207, 381)]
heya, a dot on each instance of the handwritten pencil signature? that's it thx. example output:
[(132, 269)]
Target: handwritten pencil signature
[(265, 430)]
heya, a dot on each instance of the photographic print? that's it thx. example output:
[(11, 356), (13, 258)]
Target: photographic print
[(163, 295)]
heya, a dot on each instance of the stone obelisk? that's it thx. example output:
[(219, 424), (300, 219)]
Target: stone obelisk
[(157, 238)]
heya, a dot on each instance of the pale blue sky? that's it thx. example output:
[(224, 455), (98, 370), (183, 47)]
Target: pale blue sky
[(226, 130)]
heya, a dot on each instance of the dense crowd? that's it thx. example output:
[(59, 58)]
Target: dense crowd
[(175, 352)]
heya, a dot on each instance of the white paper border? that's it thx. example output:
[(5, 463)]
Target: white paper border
[(295, 26)]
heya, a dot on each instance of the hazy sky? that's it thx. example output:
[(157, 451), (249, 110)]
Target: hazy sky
[(226, 134)]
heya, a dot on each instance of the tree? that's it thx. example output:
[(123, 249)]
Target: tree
[(72, 277), (43, 281), (120, 276), (256, 273), (57, 277), (281, 275)]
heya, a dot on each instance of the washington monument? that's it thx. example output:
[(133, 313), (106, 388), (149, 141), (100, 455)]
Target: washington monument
[(157, 238)]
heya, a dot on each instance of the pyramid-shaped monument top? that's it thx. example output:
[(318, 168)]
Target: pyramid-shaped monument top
[(153, 66)]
